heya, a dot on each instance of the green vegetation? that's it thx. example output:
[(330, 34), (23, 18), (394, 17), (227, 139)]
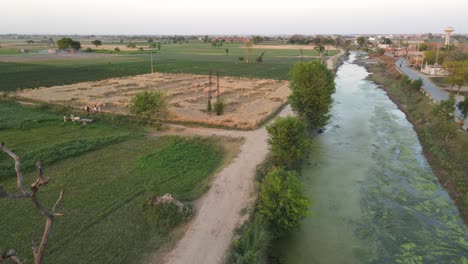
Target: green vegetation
[(281, 201), (219, 106), (148, 105), (416, 84), (287, 141), (35, 135), (67, 43), (196, 58), (107, 172), (97, 43), (448, 156), (312, 86), (252, 246), (463, 107)]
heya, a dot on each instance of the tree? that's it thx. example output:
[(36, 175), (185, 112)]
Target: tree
[(445, 111), (281, 201), (387, 41), (76, 45), (312, 87), (150, 40), (97, 43), (227, 51), (458, 73), (159, 45), (361, 41), (49, 214), (64, 43), (257, 39), (463, 107), (287, 140), (148, 105), (30, 41), (320, 48)]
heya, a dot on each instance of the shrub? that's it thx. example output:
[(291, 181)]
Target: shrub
[(116, 49), (219, 107), (88, 50), (281, 201), (287, 141), (416, 84), (251, 247), (147, 105)]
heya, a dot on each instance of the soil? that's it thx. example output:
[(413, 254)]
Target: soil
[(248, 102)]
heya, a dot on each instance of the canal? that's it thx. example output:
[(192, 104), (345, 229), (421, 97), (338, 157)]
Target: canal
[(374, 196)]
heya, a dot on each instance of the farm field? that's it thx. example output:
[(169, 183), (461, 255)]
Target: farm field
[(28, 70), (107, 173), (249, 102)]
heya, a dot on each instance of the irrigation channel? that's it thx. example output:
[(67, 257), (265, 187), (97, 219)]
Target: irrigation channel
[(375, 198)]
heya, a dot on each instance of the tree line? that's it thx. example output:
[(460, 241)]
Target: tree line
[(281, 205)]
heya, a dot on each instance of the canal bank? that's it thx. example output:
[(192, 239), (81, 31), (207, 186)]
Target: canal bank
[(375, 197)]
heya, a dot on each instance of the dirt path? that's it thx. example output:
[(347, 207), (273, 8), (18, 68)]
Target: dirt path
[(210, 233)]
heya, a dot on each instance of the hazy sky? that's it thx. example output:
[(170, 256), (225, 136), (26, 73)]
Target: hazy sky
[(231, 16)]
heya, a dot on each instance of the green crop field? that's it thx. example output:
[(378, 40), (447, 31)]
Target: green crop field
[(107, 173), (196, 58)]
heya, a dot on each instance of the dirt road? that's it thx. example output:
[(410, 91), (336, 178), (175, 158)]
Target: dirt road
[(210, 233)]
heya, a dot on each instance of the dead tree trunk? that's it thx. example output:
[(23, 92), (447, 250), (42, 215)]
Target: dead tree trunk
[(38, 249)]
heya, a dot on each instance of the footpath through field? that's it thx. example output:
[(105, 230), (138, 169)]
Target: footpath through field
[(210, 233)]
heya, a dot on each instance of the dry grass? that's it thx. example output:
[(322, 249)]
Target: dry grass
[(249, 102)]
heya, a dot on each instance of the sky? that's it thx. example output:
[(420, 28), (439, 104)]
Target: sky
[(242, 17)]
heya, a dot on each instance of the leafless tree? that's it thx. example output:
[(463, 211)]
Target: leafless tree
[(49, 215)]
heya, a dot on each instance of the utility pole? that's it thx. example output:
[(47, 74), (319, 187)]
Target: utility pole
[(209, 93), (217, 86), (151, 54)]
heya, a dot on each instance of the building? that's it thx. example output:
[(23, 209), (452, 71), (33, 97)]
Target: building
[(448, 32), (434, 70)]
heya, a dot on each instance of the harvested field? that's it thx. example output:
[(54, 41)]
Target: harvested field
[(249, 102)]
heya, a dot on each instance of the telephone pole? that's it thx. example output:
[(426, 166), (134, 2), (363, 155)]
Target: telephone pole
[(152, 70)]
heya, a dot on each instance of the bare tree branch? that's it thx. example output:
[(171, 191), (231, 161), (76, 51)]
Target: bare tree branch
[(38, 250)]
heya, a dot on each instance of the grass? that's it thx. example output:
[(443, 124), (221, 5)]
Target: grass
[(107, 173), (196, 58), (105, 191), (37, 135), (449, 160)]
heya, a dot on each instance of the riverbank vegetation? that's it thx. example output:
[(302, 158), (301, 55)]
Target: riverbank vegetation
[(281, 203), (312, 86), (445, 145)]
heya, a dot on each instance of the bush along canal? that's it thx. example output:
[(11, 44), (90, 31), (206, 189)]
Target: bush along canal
[(375, 198)]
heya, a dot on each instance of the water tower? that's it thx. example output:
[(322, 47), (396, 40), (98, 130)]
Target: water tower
[(448, 32)]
